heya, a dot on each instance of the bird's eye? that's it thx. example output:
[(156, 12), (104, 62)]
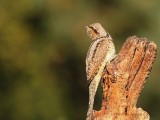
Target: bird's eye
[(95, 31)]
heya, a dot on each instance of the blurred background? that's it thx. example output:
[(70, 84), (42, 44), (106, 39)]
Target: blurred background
[(43, 46)]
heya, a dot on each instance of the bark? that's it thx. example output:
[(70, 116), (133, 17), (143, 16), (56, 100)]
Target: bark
[(123, 81)]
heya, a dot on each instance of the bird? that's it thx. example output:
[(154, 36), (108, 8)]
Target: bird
[(100, 52)]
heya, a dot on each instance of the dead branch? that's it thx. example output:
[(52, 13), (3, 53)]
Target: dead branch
[(123, 81)]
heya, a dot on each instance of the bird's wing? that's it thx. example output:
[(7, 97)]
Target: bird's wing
[(95, 56)]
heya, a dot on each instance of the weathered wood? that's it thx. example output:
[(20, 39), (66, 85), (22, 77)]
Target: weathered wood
[(123, 81)]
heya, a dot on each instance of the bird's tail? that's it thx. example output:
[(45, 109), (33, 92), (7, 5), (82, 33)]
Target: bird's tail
[(92, 92)]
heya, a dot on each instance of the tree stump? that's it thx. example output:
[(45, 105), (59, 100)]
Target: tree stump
[(123, 81)]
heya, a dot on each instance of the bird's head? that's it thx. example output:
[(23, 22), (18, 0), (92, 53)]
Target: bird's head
[(95, 31)]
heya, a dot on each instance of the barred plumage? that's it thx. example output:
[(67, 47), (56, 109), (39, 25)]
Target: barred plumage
[(100, 52)]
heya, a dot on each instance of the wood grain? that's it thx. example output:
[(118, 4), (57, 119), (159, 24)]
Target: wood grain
[(123, 81)]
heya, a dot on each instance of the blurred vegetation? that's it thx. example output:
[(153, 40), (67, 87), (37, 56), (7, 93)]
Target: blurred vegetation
[(42, 54)]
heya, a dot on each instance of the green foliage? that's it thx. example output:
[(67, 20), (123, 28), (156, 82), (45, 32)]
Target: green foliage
[(42, 54)]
